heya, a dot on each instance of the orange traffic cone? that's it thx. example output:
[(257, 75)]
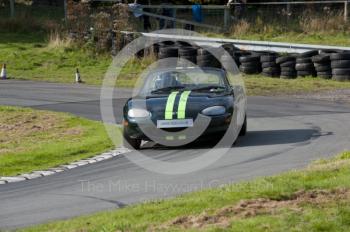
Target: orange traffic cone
[(3, 74), (77, 76)]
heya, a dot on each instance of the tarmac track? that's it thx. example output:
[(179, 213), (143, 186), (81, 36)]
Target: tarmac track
[(283, 134)]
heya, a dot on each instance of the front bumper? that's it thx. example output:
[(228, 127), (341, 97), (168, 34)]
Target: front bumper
[(218, 124)]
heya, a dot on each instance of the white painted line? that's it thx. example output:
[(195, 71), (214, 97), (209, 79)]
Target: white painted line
[(2, 182)]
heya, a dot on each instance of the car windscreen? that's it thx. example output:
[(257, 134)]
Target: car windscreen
[(170, 80)]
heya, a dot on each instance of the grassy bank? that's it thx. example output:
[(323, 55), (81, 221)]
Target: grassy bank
[(36, 140), (313, 199)]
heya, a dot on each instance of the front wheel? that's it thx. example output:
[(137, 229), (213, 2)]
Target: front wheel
[(243, 131), (131, 143)]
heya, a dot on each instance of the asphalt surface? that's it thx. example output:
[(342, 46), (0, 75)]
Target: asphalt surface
[(283, 134)]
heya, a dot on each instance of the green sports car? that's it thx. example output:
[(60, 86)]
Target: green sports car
[(175, 106)]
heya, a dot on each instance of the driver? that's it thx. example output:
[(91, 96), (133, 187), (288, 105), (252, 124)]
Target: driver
[(166, 80)]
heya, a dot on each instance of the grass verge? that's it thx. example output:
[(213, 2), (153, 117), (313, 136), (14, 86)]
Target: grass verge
[(313, 199), (36, 140)]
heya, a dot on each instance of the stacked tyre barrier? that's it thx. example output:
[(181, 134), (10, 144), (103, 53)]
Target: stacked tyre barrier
[(340, 63), (304, 65), (322, 63), (250, 64), (287, 66), (325, 64), (167, 52), (269, 66), (188, 54), (205, 58)]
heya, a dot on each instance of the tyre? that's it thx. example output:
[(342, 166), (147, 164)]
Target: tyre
[(341, 77), (269, 64), (134, 144), (167, 43), (325, 76), (249, 70), (323, 68), (340, 64), (252, 58), (244, 128), (187, 51), (341, 72), (329, 51), (241, 53), (288, 64), (166, 52), (306, 73), (273, 75), (268, 58), (271, 70), (340, 56), (284, 73), (183, 44), (321, 59), (288, 76), (288, 69), (329, 72), (206, 57), (189, 59), (308, 54), (304, 60), (251, 64), (304, 66), (284, 59), (206, 51)]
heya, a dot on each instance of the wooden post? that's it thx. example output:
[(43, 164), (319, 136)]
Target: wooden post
[(226, 18), (175, 11), (12, 8), (65, 10), (346, 11)]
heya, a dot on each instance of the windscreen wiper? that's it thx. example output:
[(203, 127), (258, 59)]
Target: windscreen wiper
[(167, 89), (210, 87)]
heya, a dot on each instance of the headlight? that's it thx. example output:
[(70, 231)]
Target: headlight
[(214, 110), (138, 113)]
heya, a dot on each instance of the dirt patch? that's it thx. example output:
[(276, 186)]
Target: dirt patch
[(20, 126), (250, 208)]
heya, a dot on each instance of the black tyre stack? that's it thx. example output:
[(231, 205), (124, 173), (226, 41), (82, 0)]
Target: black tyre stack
[(167, 51), (269, 66), (238, 54), (250, 64), (287, 66), (206, 59), (322, 64), (304, 65), (340, 63), (189, 54)]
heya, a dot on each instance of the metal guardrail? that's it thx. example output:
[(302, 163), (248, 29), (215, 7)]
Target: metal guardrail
[(247, 44)]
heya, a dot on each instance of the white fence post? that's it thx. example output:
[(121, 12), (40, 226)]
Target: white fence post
[(226, 18), (12, 8), (346, 11), (65, 9)]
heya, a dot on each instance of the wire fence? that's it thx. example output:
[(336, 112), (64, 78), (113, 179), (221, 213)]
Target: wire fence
[(215, 15)]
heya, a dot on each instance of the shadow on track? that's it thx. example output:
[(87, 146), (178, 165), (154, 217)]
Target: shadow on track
[(252, 138)]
